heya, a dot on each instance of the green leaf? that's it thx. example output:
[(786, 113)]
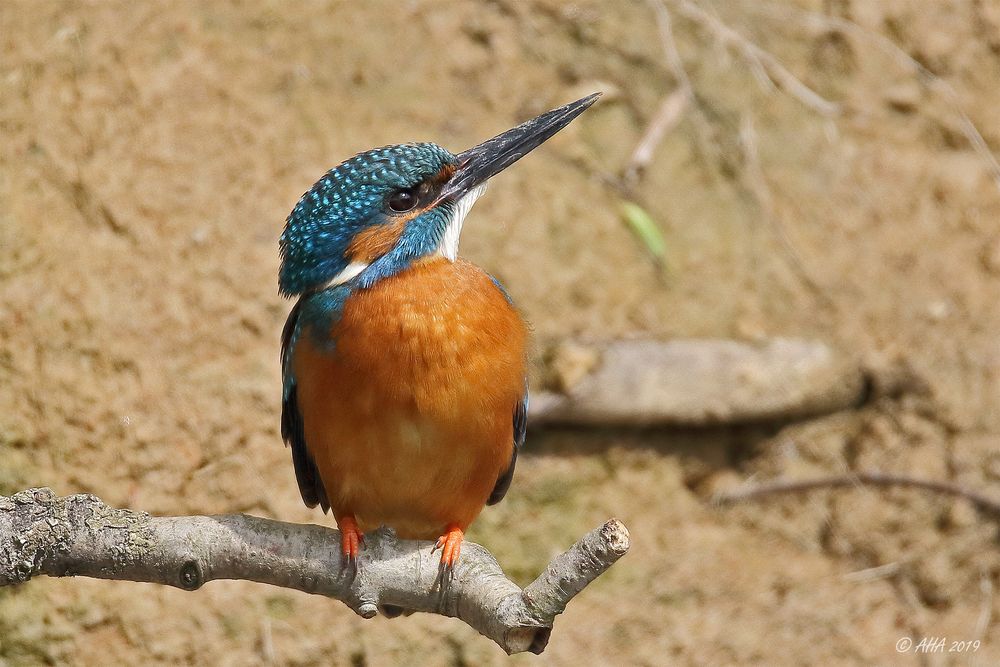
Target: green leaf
[(645, 229)]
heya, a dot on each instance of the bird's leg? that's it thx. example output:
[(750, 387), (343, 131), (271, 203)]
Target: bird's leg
[(451, 545), (350, 538)]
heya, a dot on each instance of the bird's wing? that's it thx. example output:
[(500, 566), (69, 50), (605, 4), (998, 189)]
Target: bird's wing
[(520, 431), (306, 473)]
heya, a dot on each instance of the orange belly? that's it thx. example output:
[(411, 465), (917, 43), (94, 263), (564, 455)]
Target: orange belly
[(409, 418)]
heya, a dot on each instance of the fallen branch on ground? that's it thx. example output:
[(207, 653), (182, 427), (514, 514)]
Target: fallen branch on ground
[(981, 502), (42, 534), (694, 382)]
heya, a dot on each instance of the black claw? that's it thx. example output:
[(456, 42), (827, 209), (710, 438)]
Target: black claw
[(350, 565), (446, 573), (443, 581)]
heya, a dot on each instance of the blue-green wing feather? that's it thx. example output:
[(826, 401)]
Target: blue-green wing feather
[(520, 431), (306, 474), (520, 426)]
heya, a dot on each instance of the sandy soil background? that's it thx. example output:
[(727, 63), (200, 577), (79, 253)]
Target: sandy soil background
[(149, 153)]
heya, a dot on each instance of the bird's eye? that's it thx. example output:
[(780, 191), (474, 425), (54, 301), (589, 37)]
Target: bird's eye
[(402, 201)]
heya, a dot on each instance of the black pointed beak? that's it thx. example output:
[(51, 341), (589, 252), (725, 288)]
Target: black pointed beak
[(482, 162)]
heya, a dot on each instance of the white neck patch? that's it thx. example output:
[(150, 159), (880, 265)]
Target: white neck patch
[(348, 272), (449, 242)]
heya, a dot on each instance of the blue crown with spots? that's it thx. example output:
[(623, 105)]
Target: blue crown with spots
[(348, 199)]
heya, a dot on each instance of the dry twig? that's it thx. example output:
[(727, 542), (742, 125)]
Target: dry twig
[(768, 69), (933, 82), (41, 534), (983, 503), (672, 108), (756, 181), (985, 607), (666, 118)]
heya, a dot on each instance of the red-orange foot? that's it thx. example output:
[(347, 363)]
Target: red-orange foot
[(350, 538), (450, 545)]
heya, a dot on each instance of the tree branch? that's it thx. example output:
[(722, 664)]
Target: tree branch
[(981, 502), (41, 534)]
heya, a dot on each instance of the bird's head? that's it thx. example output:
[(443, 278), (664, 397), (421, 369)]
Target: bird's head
[(374, 214)]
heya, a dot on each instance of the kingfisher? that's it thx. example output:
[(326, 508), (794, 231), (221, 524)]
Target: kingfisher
[(404, 367)]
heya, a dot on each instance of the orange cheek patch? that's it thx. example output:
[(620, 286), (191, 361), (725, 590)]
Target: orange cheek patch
[(375, 241)]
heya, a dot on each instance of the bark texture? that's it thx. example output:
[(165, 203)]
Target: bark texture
[(43, 534)]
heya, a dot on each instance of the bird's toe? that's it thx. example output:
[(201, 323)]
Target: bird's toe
[(451, 546), (351, 539)]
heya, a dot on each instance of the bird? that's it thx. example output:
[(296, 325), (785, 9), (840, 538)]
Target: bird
[(404, 366)]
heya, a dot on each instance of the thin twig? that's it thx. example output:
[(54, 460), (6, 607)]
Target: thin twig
[(267, 641), (41, 534), (672, 108), (986, 607), (757, 183), (873, 573), (768, 69), (983, 503), (666, 118), (933, 82)]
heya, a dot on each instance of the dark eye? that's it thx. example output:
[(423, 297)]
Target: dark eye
[(403, 201)]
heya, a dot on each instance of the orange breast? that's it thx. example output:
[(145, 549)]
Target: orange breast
[(409, 417)]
